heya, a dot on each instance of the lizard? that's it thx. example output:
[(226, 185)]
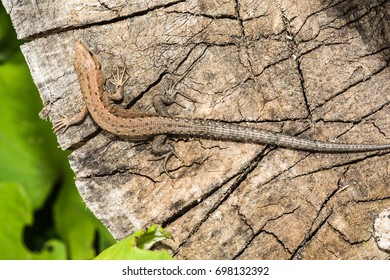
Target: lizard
[(143, 125)]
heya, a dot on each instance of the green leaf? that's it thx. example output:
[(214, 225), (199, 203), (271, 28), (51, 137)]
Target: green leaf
[(15, 214), (8, 42), (130, 248), (152, 235), (52, 250), (28, 152), (29, 156)]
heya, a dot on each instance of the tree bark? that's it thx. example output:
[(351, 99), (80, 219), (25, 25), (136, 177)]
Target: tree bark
[(315, 69)]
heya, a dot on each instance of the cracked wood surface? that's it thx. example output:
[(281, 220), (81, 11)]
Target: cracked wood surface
[(318, 69)]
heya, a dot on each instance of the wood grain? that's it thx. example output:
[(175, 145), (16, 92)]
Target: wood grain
[(318, 69)]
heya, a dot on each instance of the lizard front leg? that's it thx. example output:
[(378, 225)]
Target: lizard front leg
[(65, 122), (119, 81)]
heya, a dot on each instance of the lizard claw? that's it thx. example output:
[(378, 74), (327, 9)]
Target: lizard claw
[(162, 101), (61, 125), (167, 157), (120, 79), (171, 94)]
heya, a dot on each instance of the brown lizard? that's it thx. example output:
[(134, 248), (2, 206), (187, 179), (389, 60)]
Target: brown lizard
[(143, 125)]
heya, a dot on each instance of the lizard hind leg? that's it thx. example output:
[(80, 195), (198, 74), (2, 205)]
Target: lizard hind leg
[(166, 151), (162, 101), (160, 104)]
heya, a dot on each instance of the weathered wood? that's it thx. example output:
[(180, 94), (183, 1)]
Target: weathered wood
[(318, 69), (38, 18)]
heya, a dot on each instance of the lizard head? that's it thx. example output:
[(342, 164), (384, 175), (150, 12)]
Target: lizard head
[(84, 59)]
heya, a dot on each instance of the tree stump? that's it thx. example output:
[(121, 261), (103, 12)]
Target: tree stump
[(315, 69)]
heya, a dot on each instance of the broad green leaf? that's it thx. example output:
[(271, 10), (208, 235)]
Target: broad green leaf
[(29, 156), (8, 42), (28, 152), (128, 248), (52, 250), (15, 214), (152, 235)]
